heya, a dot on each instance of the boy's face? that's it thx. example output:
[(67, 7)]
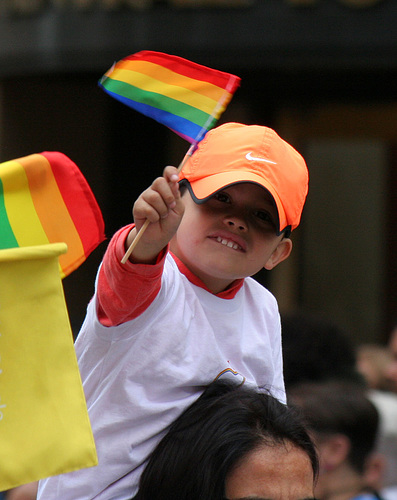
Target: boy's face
[(230, 236)]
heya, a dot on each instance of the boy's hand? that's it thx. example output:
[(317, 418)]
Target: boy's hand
[(162, 205)]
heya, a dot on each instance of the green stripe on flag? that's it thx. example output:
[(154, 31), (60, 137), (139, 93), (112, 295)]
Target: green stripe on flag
[(158, 101), (7, 238)]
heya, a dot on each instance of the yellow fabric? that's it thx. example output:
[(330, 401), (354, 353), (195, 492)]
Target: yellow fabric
[(44, 424), (19, 205)]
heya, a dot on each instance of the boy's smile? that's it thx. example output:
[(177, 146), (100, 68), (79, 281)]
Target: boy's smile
[(230, 243), (232, 235)]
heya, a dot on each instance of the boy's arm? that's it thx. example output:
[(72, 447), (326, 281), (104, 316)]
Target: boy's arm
[(162, 205), (126, 290)]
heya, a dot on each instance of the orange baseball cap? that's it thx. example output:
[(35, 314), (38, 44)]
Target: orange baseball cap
[(234, 152)]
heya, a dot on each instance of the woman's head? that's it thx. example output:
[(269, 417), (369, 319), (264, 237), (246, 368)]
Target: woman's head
[(215, 436), (271, 472)]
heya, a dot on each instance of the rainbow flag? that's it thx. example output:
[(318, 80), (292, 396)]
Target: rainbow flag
[(44, 198), (186, 97)]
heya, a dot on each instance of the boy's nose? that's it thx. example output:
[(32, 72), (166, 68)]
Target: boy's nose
[(235, 223)]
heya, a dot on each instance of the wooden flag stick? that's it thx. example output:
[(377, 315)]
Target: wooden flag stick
[(147, 222)]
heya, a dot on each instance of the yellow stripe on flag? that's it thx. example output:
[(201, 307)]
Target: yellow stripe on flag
[(177, 90), (21, 212)]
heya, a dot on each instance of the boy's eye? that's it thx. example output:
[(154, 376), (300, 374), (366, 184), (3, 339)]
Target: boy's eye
[(264, 216), (221, 196)]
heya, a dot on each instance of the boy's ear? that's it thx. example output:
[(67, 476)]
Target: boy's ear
[(281, 252)]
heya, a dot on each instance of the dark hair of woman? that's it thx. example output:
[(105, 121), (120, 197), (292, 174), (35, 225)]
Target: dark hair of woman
[(203, 445)]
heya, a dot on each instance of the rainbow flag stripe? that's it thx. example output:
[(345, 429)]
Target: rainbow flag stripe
[(44, 198), (186, 97)]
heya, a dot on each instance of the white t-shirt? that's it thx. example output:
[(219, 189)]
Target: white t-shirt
[(139, 376)]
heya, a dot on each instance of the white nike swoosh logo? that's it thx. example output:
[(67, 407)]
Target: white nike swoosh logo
[(255, 158)]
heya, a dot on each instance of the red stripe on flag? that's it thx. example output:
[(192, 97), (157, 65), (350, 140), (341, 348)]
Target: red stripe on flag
[(188, 68), (79, 200)]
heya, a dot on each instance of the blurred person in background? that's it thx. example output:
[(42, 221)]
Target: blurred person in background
[(344, 424), (373, 361), (315, 349), (392, 368), (25, 492)]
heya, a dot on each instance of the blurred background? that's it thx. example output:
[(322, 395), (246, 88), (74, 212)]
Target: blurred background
[(323, 73)]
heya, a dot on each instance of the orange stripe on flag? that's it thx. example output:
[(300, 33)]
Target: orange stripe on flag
[(51, 208)]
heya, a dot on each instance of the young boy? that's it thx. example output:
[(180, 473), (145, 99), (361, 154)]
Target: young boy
[(183, 311)]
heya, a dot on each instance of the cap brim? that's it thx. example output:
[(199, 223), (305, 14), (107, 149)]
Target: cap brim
[(206, 187)]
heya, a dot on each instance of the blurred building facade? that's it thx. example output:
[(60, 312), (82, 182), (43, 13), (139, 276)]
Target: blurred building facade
[(323, 73)]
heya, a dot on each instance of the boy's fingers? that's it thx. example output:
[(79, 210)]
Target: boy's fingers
[(171, 174), (160, 199), (168, 190), (151, 206), (156, 202), (172, 177)]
